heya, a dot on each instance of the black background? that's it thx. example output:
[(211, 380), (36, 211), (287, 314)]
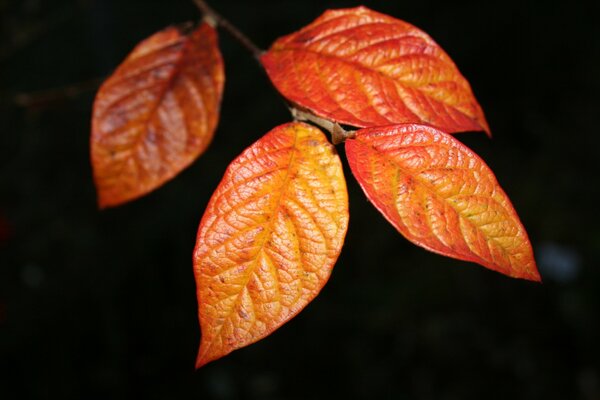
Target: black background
[(101, 305)]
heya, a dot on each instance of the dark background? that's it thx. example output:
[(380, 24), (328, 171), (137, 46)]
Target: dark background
[(101, 305)]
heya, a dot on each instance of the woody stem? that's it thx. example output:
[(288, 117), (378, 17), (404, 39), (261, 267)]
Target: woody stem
[(215, 19)]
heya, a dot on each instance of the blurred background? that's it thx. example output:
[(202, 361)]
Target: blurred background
[(101, 305)]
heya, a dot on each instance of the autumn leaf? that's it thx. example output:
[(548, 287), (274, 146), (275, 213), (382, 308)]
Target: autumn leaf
[(362, 68), (156, 114), (441, 196), (269, 237)]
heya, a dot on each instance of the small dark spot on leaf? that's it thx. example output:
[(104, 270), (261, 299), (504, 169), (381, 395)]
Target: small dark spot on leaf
[(304, 38)]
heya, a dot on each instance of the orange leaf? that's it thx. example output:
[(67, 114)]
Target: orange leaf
[(362, 68), (441, 196), (269, 237), (156, 114)]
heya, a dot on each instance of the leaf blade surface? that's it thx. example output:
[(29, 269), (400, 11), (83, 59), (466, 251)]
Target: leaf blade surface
[(441, 196), (363, 68), (156, 114), (269, 237)]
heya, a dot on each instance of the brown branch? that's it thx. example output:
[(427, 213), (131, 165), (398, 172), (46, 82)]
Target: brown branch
[(42, 97), (338, 134), (215, 19)]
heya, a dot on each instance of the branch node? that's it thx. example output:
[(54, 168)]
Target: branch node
[(338, 134), (210, 20), (215, 19)]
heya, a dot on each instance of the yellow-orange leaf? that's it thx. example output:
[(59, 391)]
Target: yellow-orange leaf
[(441, 196), (156, 114), (362, 68), (269, 237)]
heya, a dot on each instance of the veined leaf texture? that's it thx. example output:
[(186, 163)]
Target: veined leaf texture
[(275, 226), (269, 237), (362, 68), (156, 114), (441, 196)]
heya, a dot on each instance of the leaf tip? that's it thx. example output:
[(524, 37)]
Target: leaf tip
[(101, 203), (206, 356), (201, 359), (482, 122), (106, 200), (200, 362), (533, 275), (486, 129), (527, 271)]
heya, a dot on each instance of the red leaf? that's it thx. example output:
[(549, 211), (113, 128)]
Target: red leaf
[(441, 196), (362, 68), (156, 114), (269, 237)]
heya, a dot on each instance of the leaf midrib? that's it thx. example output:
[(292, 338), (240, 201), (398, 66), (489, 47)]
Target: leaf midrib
[(250, 270), (402, 83), (432, 190)]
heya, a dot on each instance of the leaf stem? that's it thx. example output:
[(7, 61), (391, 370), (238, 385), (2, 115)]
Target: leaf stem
[(215, 19), (47, 96), (338, 134)]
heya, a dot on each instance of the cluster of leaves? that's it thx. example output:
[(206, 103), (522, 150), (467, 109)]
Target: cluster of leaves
[(275, 225)]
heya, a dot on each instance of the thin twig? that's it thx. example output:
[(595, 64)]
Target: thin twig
[(214, 18), (42, 97), (338, 134)]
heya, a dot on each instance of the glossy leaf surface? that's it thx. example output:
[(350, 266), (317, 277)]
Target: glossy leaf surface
[(362, 68), (269, 237), (441, 196), (156, 114)]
